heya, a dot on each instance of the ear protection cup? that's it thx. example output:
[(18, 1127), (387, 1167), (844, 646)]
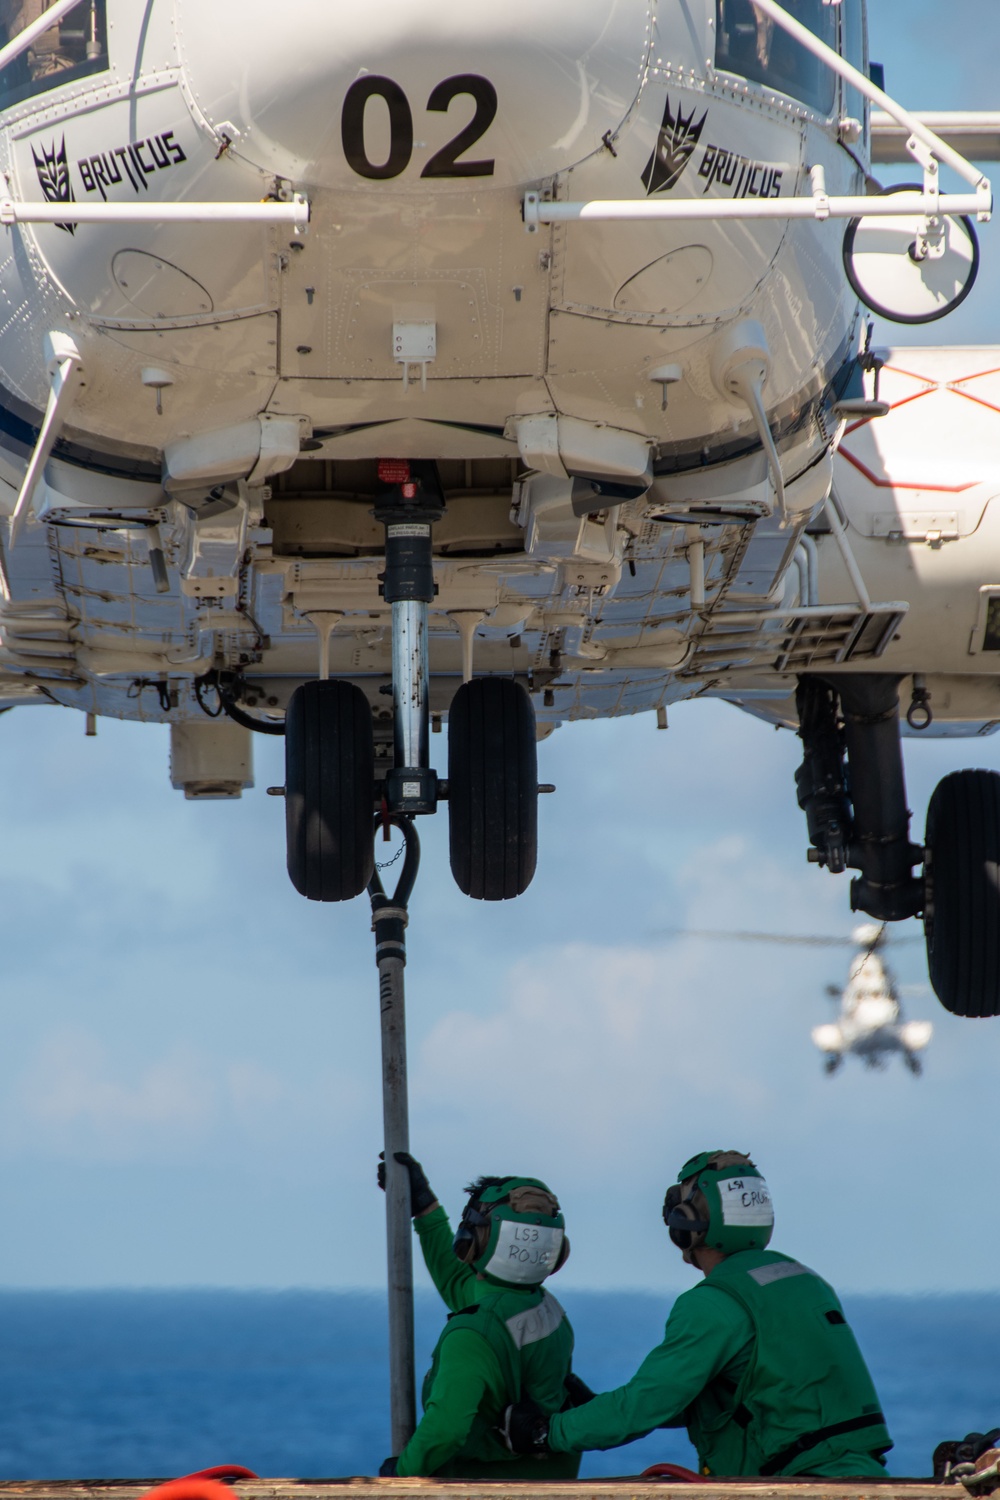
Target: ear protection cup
[(472, 1234), (562, 1257), (685, 1225)]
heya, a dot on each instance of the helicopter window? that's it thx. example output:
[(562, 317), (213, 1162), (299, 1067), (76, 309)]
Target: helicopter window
[(73, 48), (749, 43)]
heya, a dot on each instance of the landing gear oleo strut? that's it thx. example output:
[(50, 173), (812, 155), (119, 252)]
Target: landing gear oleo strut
[(331, 786), (408, 509), (852, 789)]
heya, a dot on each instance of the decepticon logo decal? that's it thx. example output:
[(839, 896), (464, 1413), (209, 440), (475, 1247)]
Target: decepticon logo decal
[(676, 141), (53, 177)]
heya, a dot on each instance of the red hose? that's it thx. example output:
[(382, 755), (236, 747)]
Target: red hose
[(675, 1471), (204, 1485), (221, 1471)]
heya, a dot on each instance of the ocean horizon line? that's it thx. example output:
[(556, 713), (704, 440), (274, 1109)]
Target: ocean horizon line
[(420, 1291)]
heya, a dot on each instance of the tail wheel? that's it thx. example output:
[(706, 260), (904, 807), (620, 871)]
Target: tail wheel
[(329, 790), (492, 788), (962, 908)]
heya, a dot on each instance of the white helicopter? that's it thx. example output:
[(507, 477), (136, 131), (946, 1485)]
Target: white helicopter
[(871, 1022), (366, 369)]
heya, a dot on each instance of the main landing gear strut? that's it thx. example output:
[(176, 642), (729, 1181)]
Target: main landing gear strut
[(852, 788), (492, 782)]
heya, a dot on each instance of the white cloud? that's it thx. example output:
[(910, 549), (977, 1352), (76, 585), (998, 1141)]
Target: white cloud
[(582, 1047), (71, 1099), (75, 1099)]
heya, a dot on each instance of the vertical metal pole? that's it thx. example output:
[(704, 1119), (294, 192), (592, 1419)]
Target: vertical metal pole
[(389, 919), (399, 1235)]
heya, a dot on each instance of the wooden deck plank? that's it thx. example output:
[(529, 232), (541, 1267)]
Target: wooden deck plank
[(626, 1488)]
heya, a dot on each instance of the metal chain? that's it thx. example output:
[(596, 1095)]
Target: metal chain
[(391, 861)]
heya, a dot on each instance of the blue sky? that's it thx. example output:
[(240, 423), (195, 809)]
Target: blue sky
[(189, 1086)]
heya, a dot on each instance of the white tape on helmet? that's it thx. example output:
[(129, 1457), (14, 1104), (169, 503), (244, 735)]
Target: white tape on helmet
[(746, 1201), (525, 1253)]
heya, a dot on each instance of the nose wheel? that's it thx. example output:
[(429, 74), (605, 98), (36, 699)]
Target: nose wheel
[(492, 788), (329, 790)]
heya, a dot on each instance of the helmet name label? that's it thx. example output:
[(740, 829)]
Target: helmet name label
[(745, 1200), (524, 1253)]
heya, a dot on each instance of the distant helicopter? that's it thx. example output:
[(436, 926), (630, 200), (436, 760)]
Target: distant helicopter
[(871, 1023)]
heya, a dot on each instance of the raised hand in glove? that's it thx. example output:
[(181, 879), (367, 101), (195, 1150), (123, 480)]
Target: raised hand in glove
[(526, 1428), (388, 1469), (422, 1195)]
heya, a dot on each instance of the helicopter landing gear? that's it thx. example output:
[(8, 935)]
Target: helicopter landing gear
[(329, 738), (962, 911), (330, 757), (329, 790), (857, 813), (857, 816), (492, 788)]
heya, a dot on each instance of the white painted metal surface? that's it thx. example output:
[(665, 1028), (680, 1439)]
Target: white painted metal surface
[(819, 206), (295, 213), (975, 133), (618, 535)]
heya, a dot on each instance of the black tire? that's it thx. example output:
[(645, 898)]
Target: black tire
[(329, 790), (962, 911), (492, 788)]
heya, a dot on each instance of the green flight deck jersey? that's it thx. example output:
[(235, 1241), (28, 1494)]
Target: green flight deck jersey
[(760, 1365), (499, 1344)]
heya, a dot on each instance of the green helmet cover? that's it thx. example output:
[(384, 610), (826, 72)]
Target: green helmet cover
[(523, 1247), (740, 1212)]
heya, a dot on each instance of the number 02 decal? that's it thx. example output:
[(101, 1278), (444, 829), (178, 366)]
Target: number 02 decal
[(444, 163)]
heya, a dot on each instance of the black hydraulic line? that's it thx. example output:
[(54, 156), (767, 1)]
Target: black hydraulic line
[(820, 780), (240, 716), (389, 919), (225, 687)]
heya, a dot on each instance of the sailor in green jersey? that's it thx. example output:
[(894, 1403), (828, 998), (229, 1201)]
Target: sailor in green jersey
[(757, 1361), (505, 1337)]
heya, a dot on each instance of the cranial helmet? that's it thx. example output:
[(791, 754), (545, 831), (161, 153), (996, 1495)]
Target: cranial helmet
[(720, 1201), (512, 1231)]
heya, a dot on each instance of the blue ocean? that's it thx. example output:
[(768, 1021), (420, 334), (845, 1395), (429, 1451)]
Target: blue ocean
[(157, 1383)]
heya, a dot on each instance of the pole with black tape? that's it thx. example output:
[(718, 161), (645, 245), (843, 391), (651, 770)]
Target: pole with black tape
[(389, 919)]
